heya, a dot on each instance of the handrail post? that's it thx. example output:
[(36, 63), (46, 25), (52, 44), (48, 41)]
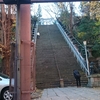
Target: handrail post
[(87, 62)]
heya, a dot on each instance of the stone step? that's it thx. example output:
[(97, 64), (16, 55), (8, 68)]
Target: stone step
[(51, 52)]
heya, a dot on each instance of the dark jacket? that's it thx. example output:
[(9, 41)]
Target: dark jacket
[(76, 74)]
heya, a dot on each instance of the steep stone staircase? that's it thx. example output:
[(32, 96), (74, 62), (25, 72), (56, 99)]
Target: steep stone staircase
[(54, 60)]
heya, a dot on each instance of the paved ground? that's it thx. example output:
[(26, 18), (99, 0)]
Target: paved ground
[(70, 93)]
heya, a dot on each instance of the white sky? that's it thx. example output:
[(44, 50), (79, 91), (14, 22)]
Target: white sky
[(45, 8)]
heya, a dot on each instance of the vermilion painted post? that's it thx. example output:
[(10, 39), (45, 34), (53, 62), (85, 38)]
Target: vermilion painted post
[(34, 69), (25, 52), (33, 66)]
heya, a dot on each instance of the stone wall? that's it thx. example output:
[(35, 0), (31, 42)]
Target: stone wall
[(94, 80)]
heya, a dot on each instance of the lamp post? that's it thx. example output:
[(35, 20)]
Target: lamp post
[(84, 42)]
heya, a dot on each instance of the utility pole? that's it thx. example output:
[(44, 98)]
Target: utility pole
[(17, 74)]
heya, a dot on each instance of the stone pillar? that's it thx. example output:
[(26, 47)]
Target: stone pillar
[(94, 80), (61, 82)]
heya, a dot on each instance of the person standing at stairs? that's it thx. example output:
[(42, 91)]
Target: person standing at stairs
[(77, 77), (38, 34)]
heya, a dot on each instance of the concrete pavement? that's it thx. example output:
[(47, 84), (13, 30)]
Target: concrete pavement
[(70, 93)]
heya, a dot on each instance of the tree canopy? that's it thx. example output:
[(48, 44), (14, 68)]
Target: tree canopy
[(86, 26)]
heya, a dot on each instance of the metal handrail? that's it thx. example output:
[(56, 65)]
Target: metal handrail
[(79, 57), (34, 38)]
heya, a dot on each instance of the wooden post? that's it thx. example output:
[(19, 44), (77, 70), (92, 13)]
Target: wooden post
[(23, 38)]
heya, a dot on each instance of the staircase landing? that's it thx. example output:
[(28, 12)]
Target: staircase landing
[(71, 93)]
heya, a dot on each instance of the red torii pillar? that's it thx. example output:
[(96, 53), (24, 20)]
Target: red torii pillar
[(23, 38), (24, 52)]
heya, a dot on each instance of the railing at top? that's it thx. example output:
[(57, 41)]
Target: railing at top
[(78, 55), (46, 21)]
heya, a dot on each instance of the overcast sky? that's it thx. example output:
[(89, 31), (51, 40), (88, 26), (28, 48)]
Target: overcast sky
[(45, 7)]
